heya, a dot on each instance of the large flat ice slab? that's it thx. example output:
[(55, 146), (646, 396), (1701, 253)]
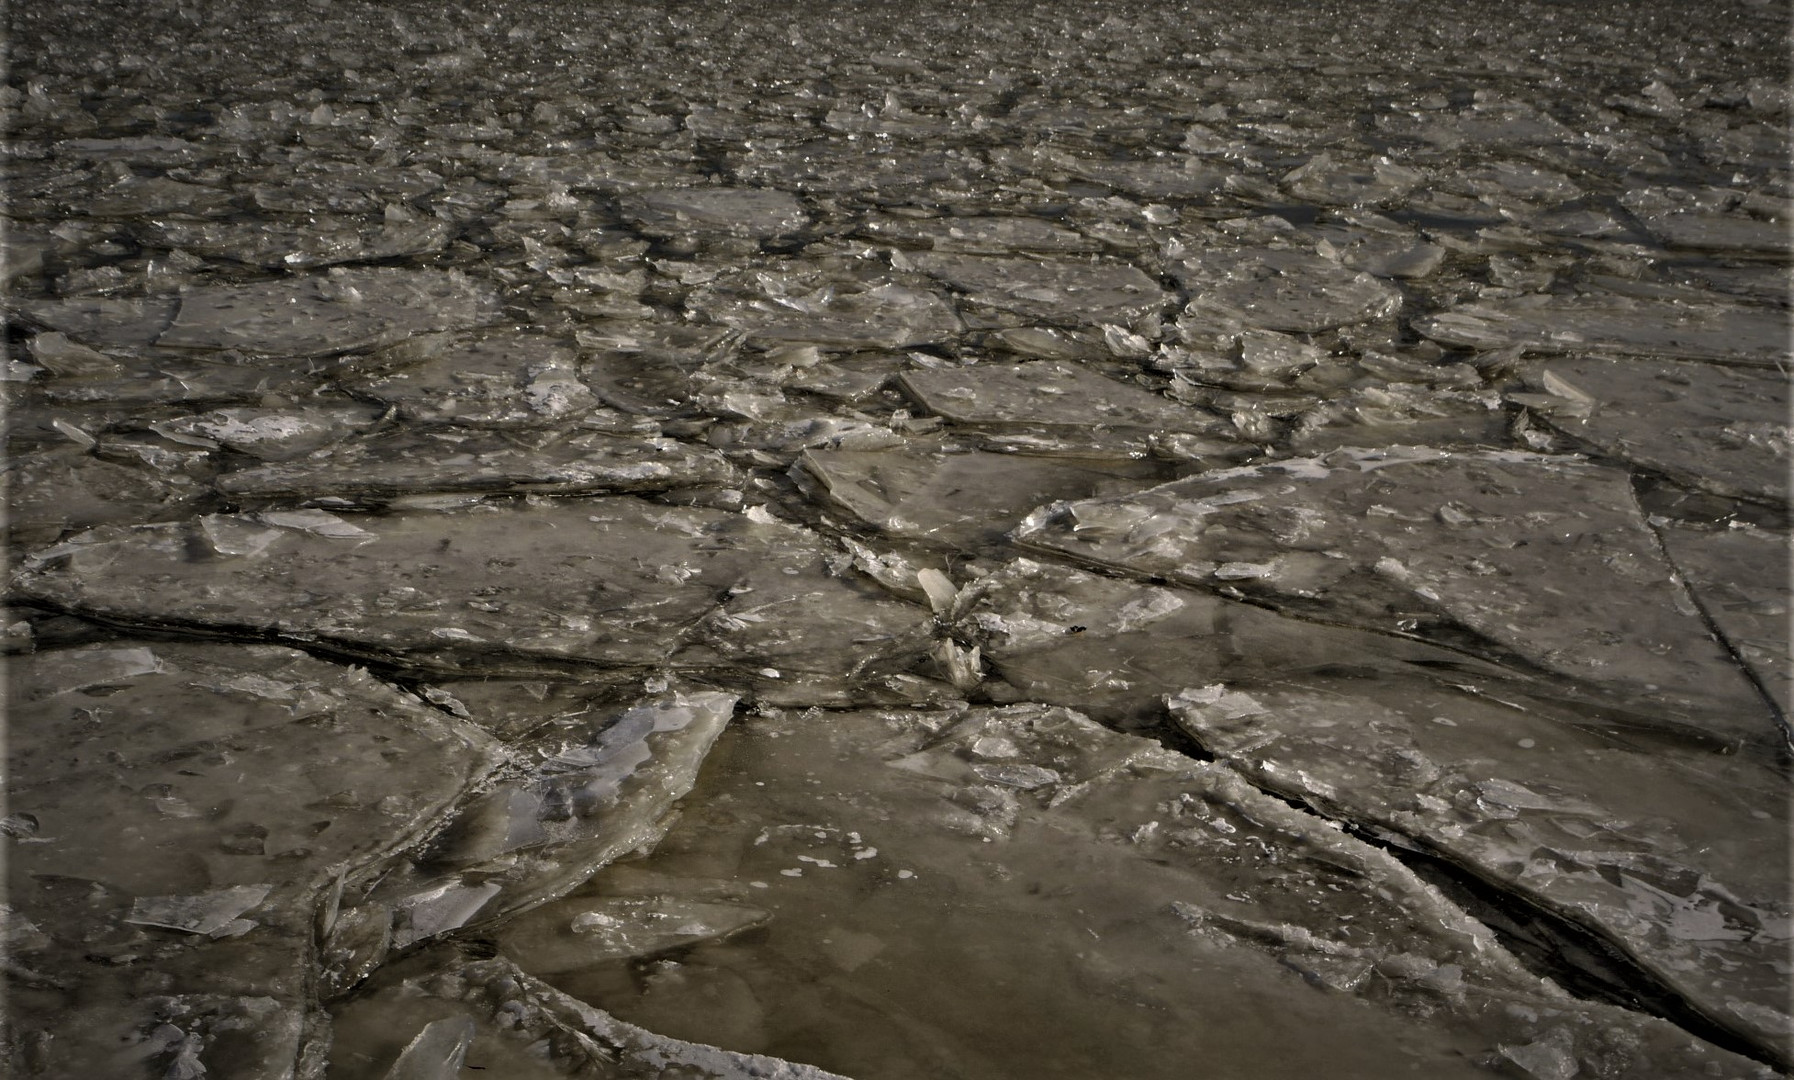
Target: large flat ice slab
[(1519, 549), (612, 581), (1676, 856), (1727, 332)]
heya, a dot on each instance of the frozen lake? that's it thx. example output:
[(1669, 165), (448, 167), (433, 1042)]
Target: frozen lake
[(971, 540)]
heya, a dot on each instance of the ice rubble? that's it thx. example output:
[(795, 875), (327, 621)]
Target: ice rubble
[(345, 309), (921, 492), (586, 372)]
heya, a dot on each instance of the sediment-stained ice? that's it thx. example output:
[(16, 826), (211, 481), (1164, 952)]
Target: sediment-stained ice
[(1179, 898), (1715, 330), (1716, 428), (1670, 854), (874, 386), (1516, 548), (166, 891), (614, 581), (327, 313)]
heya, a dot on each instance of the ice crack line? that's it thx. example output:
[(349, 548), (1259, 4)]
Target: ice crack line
[(1575, 958)]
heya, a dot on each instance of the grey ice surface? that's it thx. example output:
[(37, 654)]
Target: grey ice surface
[(969, 541)]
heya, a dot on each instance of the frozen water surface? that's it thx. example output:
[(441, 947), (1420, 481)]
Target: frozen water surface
[(973, 541)]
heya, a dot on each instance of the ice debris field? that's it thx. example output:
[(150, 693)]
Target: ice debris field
[(957, 540)]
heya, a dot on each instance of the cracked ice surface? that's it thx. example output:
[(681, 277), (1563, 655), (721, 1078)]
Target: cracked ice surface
[(993, 541)]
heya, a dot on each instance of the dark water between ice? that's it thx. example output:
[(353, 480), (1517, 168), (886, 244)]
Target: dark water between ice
[(977, 540)]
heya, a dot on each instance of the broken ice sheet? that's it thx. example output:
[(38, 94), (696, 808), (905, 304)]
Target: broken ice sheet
[(1677, 855), (979, 235), (963, 498), (1504, 182), (271, 434), (52, 491), (1517, 548), (131, 759), (1739, 577), (203, 913), (1180, 900), (66, 358), (580, 807), (1389, 253), (580, 931), (613, 580), (1325, 181), (850, 313), (1491, 123), (748, 212), (1113, 648), (154, 376), (1062, 292), (1051, 393), (103, 322), (1719, 330), (1170, 177), (1291, 291), (322, 241), (1706, 426), (428, 1011), (1717, 219), (320, 314), (132, 1027), (487, 378), (397, 463)]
